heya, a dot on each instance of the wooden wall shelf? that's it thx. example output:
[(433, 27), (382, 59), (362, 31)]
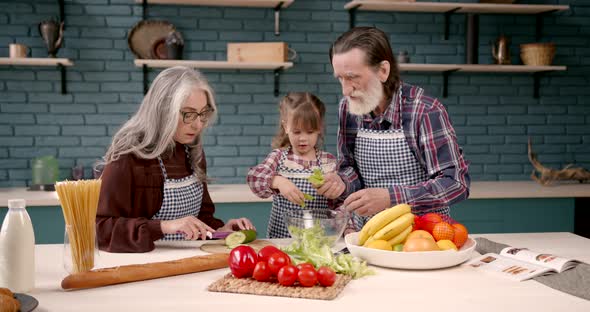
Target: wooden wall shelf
[(478, 68), (448, 8), (211, 64), (276, 67), (235, 3), (443, 7), (35, 61), (61, 63), (277, 5), (447, 69)]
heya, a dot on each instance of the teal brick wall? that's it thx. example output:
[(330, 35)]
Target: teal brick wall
[(493, 113)]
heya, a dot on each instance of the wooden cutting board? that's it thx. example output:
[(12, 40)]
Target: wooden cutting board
[(250, 286), (218, 246)]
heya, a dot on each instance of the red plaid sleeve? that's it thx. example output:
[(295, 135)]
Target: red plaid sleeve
[(260, 177)]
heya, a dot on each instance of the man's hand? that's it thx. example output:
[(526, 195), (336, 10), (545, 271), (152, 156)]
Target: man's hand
[(190, 226), (368, 202), (333, 186), (288, 189), (237, 224)]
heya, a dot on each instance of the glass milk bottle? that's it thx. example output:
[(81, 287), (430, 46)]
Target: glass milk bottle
[(17, 249)]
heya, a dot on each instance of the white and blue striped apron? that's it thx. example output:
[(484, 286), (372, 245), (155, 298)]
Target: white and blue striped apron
[(277, 227), (384, 158), (182, 198)]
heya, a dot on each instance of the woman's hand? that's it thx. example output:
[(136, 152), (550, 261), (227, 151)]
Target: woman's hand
[(190, 226), (333, 186), (237, 224), (288, 189)]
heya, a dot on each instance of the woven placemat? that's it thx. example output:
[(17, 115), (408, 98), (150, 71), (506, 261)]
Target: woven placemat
[(218, 246), (250, 286)]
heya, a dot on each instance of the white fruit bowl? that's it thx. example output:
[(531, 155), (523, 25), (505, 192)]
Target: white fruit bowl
[(410, 260)]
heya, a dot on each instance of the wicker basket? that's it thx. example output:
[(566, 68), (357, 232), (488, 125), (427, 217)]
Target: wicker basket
[(537, 54)]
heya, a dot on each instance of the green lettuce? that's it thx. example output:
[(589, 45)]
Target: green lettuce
[(313, 246), (316, 178), (306, 197)]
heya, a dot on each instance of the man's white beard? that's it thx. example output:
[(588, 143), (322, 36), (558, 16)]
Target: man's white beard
[(365, 102)]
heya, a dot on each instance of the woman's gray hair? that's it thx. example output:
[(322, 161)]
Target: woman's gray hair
[(150, 132)]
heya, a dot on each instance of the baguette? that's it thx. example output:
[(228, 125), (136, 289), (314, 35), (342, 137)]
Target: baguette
[(140, 272)]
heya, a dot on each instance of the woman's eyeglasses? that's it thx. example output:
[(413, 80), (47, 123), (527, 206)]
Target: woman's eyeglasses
[(190, 117)]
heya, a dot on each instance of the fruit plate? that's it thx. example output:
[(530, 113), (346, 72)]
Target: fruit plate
[(410, 260)]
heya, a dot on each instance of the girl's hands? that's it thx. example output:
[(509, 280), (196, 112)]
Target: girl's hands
[(333, 186), (237, 224), (190, 226), (288, 189)]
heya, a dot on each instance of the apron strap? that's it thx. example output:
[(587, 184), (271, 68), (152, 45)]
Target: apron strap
[(163, 168), (188, 155)]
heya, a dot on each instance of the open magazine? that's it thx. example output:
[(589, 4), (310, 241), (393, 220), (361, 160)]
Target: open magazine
[(521, 264)]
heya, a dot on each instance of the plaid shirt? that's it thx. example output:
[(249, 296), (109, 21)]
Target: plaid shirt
[(431, 138), (260, 177)]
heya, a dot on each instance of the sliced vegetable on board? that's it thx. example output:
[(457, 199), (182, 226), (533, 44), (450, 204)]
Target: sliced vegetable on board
[(240, 237)]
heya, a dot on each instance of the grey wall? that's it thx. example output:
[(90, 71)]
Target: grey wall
[(492, 113)]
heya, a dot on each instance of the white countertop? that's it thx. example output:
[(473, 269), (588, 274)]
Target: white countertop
[(452, 289), (240, 193)]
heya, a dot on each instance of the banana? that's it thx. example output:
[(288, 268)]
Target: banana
[(381, 219), (395, 227), (401, 237)]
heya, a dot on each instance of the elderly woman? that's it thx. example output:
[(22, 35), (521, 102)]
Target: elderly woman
[(154, 180)]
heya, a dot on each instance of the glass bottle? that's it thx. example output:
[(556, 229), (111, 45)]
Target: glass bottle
[(17, 249)]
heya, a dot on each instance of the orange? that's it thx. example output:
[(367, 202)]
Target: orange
[(428, 221), (460, 234), (443, 230)]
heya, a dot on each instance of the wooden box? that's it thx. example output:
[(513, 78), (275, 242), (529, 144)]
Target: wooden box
[(257, 52)]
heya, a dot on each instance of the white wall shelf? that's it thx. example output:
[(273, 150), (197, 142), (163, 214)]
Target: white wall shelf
[(276, 67), (478, 68), (447, 69), (444, 7), (234, 3), (61, 64)]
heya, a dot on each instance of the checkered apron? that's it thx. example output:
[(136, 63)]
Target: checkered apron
[(384, 158), (277, 227), (182, 198)]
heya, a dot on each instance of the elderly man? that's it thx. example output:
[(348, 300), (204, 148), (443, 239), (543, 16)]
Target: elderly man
[(395, 143)]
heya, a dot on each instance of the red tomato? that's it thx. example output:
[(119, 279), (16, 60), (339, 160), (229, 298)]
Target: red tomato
[(308, 265), (287, 275), (326, 276), (307, 277), (278, 260), (266, 251), (261, 272), (242, 261)]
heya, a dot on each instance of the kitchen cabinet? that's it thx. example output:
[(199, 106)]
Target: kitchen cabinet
[(277, 68), (472, 10), (493, 206)]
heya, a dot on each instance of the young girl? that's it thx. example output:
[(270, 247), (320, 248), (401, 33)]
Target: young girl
[(284, 172)]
